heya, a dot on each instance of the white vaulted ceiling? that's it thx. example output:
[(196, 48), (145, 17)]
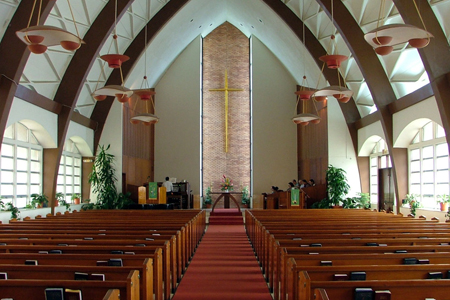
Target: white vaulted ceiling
[(43, 73)]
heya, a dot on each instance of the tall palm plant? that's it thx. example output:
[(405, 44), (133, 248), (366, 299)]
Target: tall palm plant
[(337, 185)]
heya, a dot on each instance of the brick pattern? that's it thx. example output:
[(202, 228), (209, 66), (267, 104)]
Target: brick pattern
[(226, 48)]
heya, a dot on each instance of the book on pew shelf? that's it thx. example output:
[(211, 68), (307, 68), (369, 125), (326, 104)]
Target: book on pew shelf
[(423, 237), (382, 245), (297, 238), (30, 262), (73, 294), (7, 299), (43, 252), (444, 244), (101, 234), (54, 294), (382, 295), (340, 277), (290, 234), (116, 252), (102, 263), (435, 275), (156, 234), (3, 244), (400, 251), (356, 238), (363, 294), (448, 274), (23, 238), (313, 253), (371, 244), (358, 275), (3, 275), (55, 251), (149, 239), (115, 262), (304, 245), (326, 263), (410, 261), (130, 253), (88, 238), (315, 245), (346, 233), (100, 277), (423, 261), (62, 244), (140, 245), (81, 276)]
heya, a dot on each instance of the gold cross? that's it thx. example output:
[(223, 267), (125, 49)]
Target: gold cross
[(226, 89)]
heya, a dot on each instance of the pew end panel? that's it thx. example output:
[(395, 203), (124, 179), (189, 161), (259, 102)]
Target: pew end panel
[(112, 294)]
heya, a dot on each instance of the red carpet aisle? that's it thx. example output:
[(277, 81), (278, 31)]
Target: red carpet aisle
[(224, 267)]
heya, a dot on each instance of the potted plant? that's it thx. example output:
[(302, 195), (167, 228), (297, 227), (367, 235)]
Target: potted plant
[(76, 198), (14, 211), (443, 201), (39, 200), (245, 197), (207, 200), (60, 199), (337, 186), (362, 200), (411, 199)]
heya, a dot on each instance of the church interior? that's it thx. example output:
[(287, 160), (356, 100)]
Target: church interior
[(229, 98)]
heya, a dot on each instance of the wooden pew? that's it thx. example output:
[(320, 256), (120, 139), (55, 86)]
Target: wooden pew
[(23, 289), (112, 294)]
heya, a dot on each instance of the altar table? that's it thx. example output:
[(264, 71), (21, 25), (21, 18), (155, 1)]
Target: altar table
[(226, 199)]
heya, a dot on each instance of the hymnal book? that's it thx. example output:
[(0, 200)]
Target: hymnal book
[(435, 275), (149, 239), (340, 277), (371, 244), (356, 238), (100, 277), (400, 251), (116, 252), (304, 245), (130, 253), (13, 299), (3, 275), (410, 261), (326, 263), (115, 262), (81, 276), (139, 245), (73, 294), (382, 295), (54, 294), (315, 245), (382, 245), (30, 262), (358, 276), (423, 237), (297, 239), (43, 252), (363, 294), (55, 252), (156, 234), (63, 244), (102, 263), (23, 238), (423, 261), (88, 238), (3, 244)]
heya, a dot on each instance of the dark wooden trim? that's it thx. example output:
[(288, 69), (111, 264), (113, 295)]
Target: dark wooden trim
[(367, 120), (37, 99), (411, 99)]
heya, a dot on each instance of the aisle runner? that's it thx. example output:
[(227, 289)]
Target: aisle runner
[(224, 267)]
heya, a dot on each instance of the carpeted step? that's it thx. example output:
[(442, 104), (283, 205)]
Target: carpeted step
[(226, 212), (226, 220)]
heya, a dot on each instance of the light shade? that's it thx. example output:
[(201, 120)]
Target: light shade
[(384, 37), (146, 119), (144, 94), (119, 91), (40, 37), (304, 119), (115, 60), (343, 94), (304, 94)]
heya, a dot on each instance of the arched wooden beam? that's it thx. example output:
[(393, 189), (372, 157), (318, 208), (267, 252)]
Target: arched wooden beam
[(435, 56), (72, 84), (158, 21), (14, 55)]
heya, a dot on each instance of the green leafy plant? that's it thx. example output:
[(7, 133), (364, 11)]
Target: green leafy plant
[(362, 200), (245, 195), (207, 199), (337, 186), (2, 205), (13, 209), (38, 200), (322, 204), (443, 198), (76, 198), (411, 199), (62, 201)]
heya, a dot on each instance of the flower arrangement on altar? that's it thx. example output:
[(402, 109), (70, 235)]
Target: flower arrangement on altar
[(227, 184)]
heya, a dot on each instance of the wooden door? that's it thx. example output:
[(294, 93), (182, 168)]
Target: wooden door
[(385, 190)]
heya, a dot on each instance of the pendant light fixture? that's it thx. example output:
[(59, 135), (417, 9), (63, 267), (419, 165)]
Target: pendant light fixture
[(114, 61), (384, 38), (39, 37)]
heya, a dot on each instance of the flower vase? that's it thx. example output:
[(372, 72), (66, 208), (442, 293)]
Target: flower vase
[(225, 191)]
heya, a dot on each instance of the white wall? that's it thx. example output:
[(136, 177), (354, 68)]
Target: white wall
[(177, 134), (341, 153), (274, 134)]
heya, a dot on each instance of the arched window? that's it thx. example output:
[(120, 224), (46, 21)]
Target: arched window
[(20, 164), (428, 165), (69, 173)]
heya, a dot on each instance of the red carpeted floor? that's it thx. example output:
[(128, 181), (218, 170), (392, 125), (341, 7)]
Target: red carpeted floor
[(224, 267)]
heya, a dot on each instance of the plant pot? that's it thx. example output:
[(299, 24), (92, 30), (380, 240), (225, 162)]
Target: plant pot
[(76, 200), (56, 203), (444, 206), (208, 205), (337, 206)]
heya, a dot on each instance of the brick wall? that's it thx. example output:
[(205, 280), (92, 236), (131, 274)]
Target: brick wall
[(226, 48)]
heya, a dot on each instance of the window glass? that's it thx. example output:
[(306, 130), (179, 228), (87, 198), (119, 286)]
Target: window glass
[(21, 165), (22, 152), (7, 176), (415, 154), (22, 177), (7, 163), (21, 133), (428, 132), (441, 149), (35, 166), (7, 150), (440, 132)]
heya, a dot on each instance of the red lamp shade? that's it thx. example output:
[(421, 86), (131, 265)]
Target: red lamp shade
[(338, 96), (333, 61), (382, 40), (419, 43), (320, 98), (122, 98), (144, 94), (114, 60), (344, 99), (304, 123), (34, 39), (100, 97), (37, 48), (384, 50), (70, 46), (316, 121), (305, 94), (134, 122)]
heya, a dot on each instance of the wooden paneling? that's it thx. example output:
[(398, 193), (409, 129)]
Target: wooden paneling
[(312, 148), (86, 169)]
